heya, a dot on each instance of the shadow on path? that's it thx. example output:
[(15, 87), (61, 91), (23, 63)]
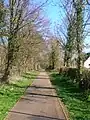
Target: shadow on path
[(39, 87), (38, 94), (40, 102), (36, 117)]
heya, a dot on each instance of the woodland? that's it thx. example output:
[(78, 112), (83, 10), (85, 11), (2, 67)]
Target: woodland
[(27, 45)]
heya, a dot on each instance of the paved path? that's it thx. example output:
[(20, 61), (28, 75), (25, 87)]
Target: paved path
[(39, 102)]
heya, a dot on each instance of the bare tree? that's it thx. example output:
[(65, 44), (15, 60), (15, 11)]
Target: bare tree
[(20, 13)]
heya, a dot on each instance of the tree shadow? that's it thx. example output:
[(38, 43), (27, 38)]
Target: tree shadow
[(72, 96), (28, 77), (38, 94), (39, 87), (31, 74), (18, 87), (35, 117), (67, 85)]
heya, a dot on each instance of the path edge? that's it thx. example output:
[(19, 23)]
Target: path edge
[(7, 116), (64, 109)]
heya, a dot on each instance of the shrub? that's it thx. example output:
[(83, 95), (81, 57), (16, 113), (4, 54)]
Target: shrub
[(70, 72), (85, 74), (84, 83)]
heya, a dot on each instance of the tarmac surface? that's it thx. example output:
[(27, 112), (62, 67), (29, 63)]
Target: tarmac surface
[(39, 102)]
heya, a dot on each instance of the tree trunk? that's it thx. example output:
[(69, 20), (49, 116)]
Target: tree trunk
[(79, 33), (9, 60)]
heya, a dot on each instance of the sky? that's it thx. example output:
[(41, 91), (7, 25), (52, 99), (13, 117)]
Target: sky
[(52, 11)]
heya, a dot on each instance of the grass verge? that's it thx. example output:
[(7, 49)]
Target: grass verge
[(10, 93), (70, 95)]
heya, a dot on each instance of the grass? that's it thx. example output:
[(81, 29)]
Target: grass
[(71, 96), (10, 93)]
